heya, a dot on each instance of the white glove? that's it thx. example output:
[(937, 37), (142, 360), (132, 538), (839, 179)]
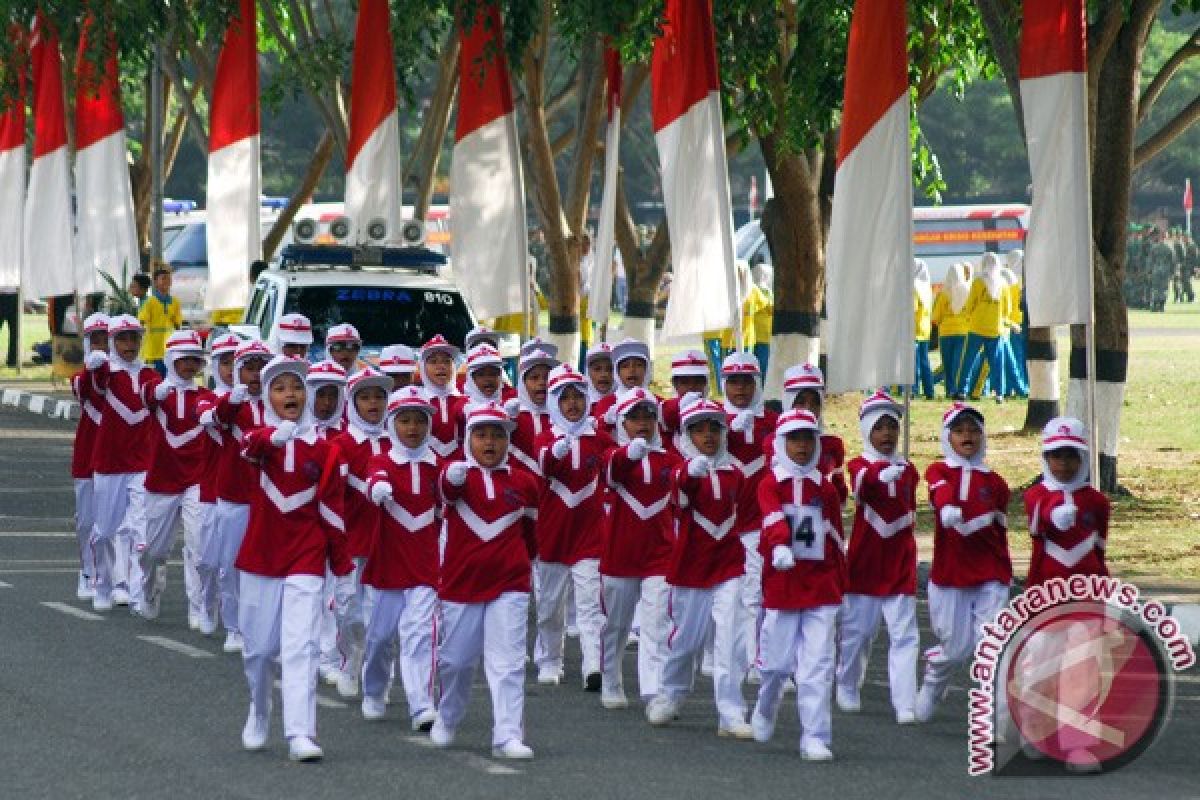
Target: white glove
[(637, 449), (456, 473), (95, 359), (208, 419), (744, 421), (1064, 517), (560, 448), (238, 393), (344, 591), (951, 516), (782, 558), (892, 473), (380, 491), (610, 416), (161, 390), (283, 433), (513, 407), (698, 466)]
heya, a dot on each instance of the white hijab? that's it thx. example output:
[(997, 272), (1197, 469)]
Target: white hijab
[(958, 285), (991, 276), (921, 282)]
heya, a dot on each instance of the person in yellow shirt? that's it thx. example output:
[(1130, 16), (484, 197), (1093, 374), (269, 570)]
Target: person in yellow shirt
[(161, 315), (764, 316), (719, 344), (988, 314), (1016, 379), (949, 315), (922, 327)]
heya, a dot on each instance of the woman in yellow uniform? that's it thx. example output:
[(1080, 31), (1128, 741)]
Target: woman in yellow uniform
[(161, 315), (949, 315), (922, 325), (988, 313)]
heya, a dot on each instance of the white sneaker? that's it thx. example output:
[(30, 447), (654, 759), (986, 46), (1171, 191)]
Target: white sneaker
[(706, 665), (423, 722), (102, 602), (120, 596), (753, 677), (83, 589), (254, 734), (207, 625), (147, 607), (549, 676), (613, 699), (735, 728), (233, 642), (906, 718), (815, 751), (329, 674), (927, 701), (661, 710), (513, 749), (193, 622), (634, 639), (373, 708), (848, 700), (347, 684), (302, 748), (789, 686), (440, 735), (761, 727), (573, 631)]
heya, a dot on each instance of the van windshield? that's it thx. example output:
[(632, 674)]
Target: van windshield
[(383, 315)]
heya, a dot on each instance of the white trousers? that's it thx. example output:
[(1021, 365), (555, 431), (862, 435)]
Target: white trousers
[(752, 594), (624, 599), (551, 601), (327, 633), (351, 613), (162, 513), (278, 621), (85, 520), (205, 561), (799, 643), (497, 630), (957, 617), (690, 612), (407, 617), (118, 531), (860, 620), (232, 519)]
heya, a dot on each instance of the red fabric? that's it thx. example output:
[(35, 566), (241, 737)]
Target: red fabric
[(877, 565), (809, 584), (233, 113), (91, 401), (210, 479), (362, 516), (751, 456), (613, 74), (372, 77), (401, 558), (97, 97), (567, 535), (12, 118), (237, 476), (1053, 38), (634, 547), (173, 469), (49, 115), (964, 561), (484, 89), (1187, 195), (831, 463), (444, 428), (1092, 516), (478, 570), (122, 447), (683, 67), (698, 560), (876, 68), (522, 451)]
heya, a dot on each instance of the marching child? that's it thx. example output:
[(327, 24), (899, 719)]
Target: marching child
[(528, 409), (485, 378), (804, 575), (480, 334), (631, 362), (636, 547), (326, 389), (598, 367), (293, 336), (403, 564), (295, 531), (882, 562), (91, 400), (436, 369), (484, 583), (804, 387), (689, 375), (570, 455), (968, 584), (342, 346), (704, 573), (398, 362)]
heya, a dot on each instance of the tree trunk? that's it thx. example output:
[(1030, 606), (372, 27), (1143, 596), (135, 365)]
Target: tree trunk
[(1041, 359), (421, 170), (643, 270), (308, 185)]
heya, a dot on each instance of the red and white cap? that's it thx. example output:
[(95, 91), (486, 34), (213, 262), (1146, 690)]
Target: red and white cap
[(598, 352), (294, 329), (327, 371), (689, 364), (95, 323), (702, 409), (565, 375), (185, 341), (409, 398), (281, 364), (630, 348), (537, 343), (488, 414), (251, 349), (365, 378), (803, 376), (397, 358), (1064, 432), (481, 334), (740, 362), (439, 344), (632, 398), (798, 419), (124, 323), (957, 410), (225, 343), (483, 355), (536, 358), (880, 403), (345, 333)]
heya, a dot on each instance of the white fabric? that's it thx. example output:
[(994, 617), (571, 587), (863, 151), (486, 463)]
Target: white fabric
[(406, 617), (601, 279), (373, 181), (860, 621), (230, 529), (800, 643), (233, 228), (691, 151), (496, 631), (85, 518), (957, 617), (1058, 246), (627, 599), (162, 513), (487, 219), (692, 612), (751, 594), (870, 260), (551, 603), (117, 530), (207, 600), (279, 623), (350, 610), (49, 258), (106, 234), (12, 216)]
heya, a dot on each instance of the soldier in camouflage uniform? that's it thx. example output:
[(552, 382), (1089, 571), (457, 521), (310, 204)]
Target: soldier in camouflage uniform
[(1162, 267), (1191, 261)]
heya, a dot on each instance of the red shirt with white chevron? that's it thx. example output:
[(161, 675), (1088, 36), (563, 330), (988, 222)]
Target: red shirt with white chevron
[(707, 550), (405, 551), (444, 434), (123, 440), (831, 463), (749, 448), (976, 551), (804, 514), (219, 438), (571, 511), (91, 405), (639, 530), (182, 451), (523, 443), (1079, 550), (295, 525), (882, 557), (489, 534), (237, 477), (362, 516)]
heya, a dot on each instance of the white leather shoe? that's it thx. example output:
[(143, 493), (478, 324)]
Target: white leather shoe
[(423, 722), (661, 710), (302, 748), (848, 700), (440, 735), (735, 728), (513, 749), (254, 734), (549, 676), (233, 642), (613, 699), (815, 751), (373, 708), (761, 727)]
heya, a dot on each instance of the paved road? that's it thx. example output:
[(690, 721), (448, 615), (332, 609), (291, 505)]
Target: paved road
[(113, 706)]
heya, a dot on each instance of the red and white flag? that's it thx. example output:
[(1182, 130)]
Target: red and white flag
[(1058, 247), (869, 261), (234, 169), (600, 296), (1187, 195), (487, 195), (373, 182), (12, 181), (106, 236), (49, 228), (690, 135)]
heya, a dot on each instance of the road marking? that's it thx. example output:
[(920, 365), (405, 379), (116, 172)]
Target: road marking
[(35, 535), (178, 647), (44, 489), (323, 702), (4, 585), (46, 571), (471, 760), (72, 611)]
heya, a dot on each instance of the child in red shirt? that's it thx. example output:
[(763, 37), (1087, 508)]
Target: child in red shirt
[(91, 400), (528, 409)]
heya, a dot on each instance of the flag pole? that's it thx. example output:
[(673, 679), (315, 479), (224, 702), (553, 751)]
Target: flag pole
[(1090, 347), (907, 418)]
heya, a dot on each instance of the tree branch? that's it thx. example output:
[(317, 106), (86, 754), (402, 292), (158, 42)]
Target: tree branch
[(1168, 133), (591, 108), (1101, 39), (422, 164), (196, 126), (308, 184), (1150, 96)]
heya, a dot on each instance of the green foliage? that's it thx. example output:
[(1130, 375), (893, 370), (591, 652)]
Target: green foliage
[(118, 300)]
